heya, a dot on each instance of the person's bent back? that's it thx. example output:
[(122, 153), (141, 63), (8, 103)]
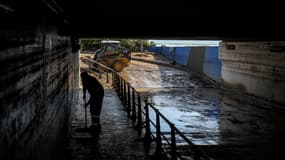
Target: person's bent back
[(96, 91)]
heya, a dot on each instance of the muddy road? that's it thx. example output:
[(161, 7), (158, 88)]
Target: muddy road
[(183, 97)]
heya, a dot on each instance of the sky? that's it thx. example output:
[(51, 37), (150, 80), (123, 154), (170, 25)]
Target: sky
[(186, 42)]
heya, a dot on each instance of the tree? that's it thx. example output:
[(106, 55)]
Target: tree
[(134, 45), (89, 44), (131, 44), (152, 44), (127, 43)]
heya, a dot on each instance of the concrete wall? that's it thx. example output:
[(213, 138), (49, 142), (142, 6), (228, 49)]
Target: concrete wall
[(212, 64), (196, 59), (205, 60), (202, 59), (154, 49), (39, 78), (181, 55), (167, 51), (257, 68)]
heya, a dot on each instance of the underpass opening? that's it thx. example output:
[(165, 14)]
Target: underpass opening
[(188, 92)]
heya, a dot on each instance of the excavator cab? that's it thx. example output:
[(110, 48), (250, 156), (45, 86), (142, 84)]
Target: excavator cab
[(113, 55)]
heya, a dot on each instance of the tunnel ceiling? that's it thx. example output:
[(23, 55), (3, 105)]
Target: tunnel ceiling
[(203, 19), (178, 19)]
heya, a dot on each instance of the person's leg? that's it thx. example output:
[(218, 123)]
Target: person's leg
[(97, 111), (95, 118)]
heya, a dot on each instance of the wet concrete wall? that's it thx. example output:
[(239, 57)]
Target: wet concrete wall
[(257, 68), (39, 77)]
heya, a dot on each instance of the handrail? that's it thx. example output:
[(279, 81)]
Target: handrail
[(197, 153), (131, 100), (100, 64), (105, 68)]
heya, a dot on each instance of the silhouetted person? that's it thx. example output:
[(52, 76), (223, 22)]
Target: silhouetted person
[(96, 91)]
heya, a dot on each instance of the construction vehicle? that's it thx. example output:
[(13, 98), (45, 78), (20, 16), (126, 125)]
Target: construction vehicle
[(113, 55)]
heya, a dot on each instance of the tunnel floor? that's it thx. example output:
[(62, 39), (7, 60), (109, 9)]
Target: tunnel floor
[(224, 123)]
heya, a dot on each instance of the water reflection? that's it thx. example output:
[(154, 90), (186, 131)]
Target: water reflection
[(212, 117), (196, 117)]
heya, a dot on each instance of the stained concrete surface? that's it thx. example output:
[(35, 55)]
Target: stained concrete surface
[(38, 78), (255, 67)]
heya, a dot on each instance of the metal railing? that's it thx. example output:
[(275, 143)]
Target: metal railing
[(129, 96), (99, 68), (166, 141)]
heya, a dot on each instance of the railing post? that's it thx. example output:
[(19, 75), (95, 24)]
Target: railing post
[(158, 151), (122, 90), (129, 100), (134, 105), (139, 122), (125, 94), (100, 74), (113, 79), (107, 77), (114, 84), (119, 86), (147, 137), (173, 142)]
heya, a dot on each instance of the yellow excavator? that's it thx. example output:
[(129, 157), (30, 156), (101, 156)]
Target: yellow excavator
[(113, 55)]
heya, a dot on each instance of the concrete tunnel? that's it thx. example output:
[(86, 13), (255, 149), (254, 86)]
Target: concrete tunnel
[(39, 57)]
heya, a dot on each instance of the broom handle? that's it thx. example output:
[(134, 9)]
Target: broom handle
[(85, 113)]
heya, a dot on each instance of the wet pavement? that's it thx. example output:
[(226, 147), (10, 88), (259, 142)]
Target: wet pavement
[(184, 97), (224, 123)]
